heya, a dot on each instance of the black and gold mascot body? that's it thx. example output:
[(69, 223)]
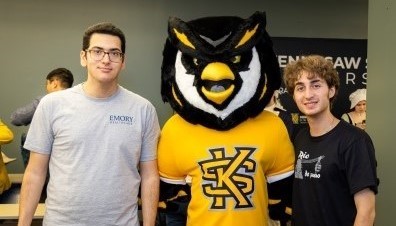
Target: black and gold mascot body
[(218, 74)]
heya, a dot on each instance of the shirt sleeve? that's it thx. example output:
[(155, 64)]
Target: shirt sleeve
[(167, 154), (361, 164), (23, 115), (40, 136), (150, 135), (284, 157)]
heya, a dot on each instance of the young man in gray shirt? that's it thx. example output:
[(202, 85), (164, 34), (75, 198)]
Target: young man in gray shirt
[(100, 142)]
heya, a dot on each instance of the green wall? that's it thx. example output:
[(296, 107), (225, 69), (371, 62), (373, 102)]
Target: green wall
[(37, 36), (380, 93)]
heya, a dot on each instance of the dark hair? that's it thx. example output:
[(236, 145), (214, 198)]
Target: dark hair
[(63, 75), (103, 28)]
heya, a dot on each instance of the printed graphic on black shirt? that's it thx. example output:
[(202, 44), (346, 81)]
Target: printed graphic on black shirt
[(307, 167)]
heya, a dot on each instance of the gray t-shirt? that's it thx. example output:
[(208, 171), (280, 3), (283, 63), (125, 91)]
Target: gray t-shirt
[(95, 146)]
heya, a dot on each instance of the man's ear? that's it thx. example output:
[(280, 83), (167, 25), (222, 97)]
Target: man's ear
[(83, 58), (123, 62), (331, 92), (51, 85), (55, 84)]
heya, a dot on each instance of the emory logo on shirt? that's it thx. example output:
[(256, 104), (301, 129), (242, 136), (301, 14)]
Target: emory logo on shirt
[(229, 177), (121, 119)]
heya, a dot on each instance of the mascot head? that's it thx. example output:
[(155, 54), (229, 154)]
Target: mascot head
[(219, 71)]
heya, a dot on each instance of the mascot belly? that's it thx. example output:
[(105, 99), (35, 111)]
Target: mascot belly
[(218, 74)]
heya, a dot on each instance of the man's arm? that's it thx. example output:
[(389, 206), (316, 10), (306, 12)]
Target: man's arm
[(23, 115), (149, 191), (32, 186), (365, 205)]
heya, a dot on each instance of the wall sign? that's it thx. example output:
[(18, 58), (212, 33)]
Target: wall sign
[(348, 55)]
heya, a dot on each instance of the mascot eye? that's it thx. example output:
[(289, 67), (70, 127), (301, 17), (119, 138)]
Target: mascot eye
[(196, 61), (236, 59)]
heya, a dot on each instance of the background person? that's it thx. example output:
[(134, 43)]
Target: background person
[(57, 79), (357, 115), (335, 174), (275, 106), (99, 141)]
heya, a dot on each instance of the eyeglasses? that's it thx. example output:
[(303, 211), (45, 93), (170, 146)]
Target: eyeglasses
[(98, 54)]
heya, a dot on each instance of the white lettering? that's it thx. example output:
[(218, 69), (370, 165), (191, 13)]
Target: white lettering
[(282, 60), (282, 90), (339, 63), (353, 63), (314, 175), (364, 76), (303, 155), (350, 77)]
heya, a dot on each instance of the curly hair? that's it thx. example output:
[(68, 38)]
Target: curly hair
[(316, 66)]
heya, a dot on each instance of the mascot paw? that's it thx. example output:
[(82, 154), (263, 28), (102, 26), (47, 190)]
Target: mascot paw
[(279, 211), (174, 198)]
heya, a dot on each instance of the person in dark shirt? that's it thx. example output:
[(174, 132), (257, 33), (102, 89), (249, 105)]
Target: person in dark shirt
[(335, 178)]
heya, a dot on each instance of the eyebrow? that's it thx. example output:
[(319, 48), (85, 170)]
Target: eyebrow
[(315, 81), (312, 81), (112, 49)]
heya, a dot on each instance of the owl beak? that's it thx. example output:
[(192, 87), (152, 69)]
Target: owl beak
[(217, 81)]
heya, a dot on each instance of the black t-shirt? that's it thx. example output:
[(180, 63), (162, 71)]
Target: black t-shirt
[(329, 170)]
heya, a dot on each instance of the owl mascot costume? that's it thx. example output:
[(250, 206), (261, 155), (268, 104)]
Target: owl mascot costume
[(218, 74)]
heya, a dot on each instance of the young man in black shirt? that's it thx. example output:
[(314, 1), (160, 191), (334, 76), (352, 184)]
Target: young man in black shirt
[(335, 174)]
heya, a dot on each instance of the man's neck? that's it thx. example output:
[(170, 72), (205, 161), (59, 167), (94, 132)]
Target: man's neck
[(321, 124), (99, 90)]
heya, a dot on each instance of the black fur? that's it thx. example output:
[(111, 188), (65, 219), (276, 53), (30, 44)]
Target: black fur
[(215, 28)]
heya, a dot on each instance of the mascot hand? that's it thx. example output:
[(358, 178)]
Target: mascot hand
[(174, 197), (279, 211), (280, 197)]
